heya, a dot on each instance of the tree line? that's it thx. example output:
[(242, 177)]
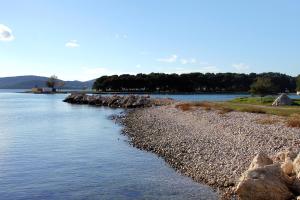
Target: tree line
[(193, 82)]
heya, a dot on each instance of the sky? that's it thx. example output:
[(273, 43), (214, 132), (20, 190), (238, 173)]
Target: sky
[(85, 39)]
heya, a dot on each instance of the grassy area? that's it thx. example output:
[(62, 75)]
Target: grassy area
[(250, 104), (255, 100), (267, 101), (281, 111)]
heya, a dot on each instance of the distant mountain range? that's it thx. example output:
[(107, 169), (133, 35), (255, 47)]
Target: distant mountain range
[(28, 82)]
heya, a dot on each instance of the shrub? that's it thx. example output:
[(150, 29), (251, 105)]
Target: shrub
[(184, 106), (294, 121), (189, 106)]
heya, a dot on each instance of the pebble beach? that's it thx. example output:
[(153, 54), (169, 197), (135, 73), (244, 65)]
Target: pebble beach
[(209, 147)]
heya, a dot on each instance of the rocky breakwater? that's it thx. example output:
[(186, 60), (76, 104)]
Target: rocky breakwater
[(116, 101), (276, 178)]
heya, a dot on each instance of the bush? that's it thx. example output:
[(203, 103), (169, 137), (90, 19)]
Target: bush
[(294, 121), (184, 106)]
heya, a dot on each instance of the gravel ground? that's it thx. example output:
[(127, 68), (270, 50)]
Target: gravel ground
[(209, 147)]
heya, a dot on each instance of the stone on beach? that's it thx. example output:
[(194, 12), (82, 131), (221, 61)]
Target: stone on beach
[(268, 180), (260, 160), (264, 183)]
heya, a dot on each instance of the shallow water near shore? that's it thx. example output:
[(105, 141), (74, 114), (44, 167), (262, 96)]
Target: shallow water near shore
[(53, 150)]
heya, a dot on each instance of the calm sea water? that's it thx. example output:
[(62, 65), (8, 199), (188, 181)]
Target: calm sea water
[(53, 150)]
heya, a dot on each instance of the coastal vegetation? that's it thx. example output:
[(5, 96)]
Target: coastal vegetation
[(197, 82), (264, 86), (246, 104)]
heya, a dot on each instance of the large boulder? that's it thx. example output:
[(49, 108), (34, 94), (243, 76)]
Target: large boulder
[(267, 178), (265, 183), (283, 100)]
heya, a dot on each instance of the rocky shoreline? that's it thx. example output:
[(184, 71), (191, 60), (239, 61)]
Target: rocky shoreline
[(210, 147)]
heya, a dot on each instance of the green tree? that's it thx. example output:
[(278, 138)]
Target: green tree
[(53, 82), (263, 86), (192, 82), (298, 83)]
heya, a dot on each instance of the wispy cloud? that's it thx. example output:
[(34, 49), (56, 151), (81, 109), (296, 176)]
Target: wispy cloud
[(175, 58), (138, 66), (241, 67), (170, 59), (72, 44), (6, 33)]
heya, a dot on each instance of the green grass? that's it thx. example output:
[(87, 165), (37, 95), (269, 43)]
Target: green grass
[(281, 111), (246, 104), (266, 101), (296, 102), (255, 100), (263, 105)]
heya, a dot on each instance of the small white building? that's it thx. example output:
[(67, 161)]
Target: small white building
[(298, 93)]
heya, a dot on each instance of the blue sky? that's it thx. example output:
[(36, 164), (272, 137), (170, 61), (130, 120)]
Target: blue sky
[(85, 39)]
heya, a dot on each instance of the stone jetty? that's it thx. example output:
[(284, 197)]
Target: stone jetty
[(116, 101)]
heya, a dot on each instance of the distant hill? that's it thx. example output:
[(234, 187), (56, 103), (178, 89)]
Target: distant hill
[(28, 82)]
